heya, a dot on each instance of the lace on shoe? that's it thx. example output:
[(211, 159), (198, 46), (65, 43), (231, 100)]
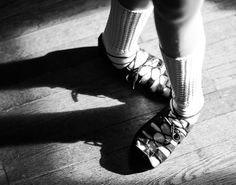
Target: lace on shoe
[(151, 81), (178, 126), (155, 63), (158, 138)]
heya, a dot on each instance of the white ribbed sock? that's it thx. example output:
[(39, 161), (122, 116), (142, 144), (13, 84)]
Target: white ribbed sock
[(185, 76), (122, 31)]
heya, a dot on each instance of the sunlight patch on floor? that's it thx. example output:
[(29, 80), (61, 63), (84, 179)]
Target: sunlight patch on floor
[(64, 102)]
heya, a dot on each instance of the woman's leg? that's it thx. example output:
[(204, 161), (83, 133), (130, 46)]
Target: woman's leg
[(120, 42), (182, 41), (136, 4), (124, 26)]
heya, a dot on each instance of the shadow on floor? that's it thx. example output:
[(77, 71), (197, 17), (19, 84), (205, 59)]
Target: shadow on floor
[(25, 16), (82, 71), (216, 178)]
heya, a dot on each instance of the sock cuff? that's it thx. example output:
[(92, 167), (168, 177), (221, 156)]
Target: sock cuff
[(117, 4), (185, 77), (123, 29), (189, 111)]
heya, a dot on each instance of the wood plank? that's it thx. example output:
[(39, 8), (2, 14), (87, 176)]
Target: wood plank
[(44, 40), (222, 67), (48, 138), (3, 179), (84, 70), (110, 141), (214, 163), (22, 17), (11, 8), (218, 9), (219, 27), (50, 74), (3, 174), (219, 55)]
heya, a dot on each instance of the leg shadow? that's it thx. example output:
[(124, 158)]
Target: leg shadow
[(82, 71)]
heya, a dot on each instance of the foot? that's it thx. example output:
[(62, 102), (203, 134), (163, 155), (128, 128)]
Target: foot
[(149, 75), (158, 138)]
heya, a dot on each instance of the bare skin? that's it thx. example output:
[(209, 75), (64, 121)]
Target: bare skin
[(179, 26), (136, 4)]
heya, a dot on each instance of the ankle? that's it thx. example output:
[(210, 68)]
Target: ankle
[(123, 29), (187, 111), (130, 61)]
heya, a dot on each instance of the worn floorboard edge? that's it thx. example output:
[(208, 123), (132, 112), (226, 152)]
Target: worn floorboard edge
[(63, 141), (188, 168), (214, 62), (121, 135), (48, 13), (212, 73), (22, 17), (42, 41)]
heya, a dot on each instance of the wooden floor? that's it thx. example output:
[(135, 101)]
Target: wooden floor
[(66, 119)]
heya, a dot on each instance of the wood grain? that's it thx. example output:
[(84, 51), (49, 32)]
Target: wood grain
[(24, 16), (212, 160), (51, 136), (106, 142), (39, 41)]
